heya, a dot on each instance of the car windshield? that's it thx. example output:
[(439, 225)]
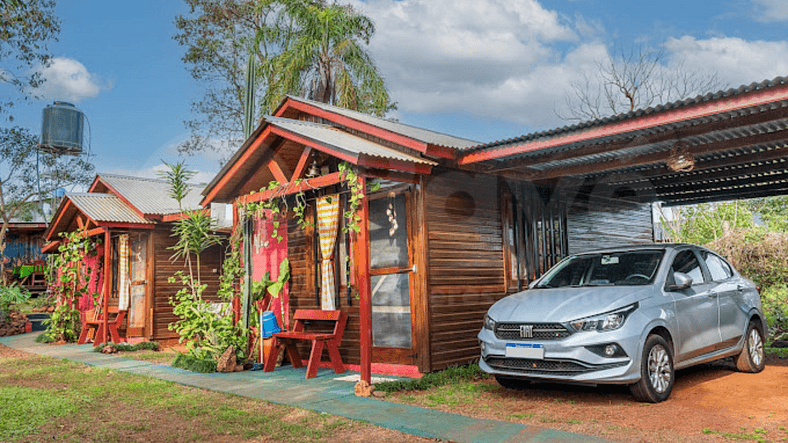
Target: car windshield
[(627, 268)]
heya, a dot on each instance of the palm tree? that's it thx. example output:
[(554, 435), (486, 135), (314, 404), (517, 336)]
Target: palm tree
[(327, 60)]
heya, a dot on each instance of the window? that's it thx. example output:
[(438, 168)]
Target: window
[(718, 269), (686, 262), (627, 268)]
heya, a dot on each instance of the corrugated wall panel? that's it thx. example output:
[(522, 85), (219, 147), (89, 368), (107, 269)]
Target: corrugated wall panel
[(608, 223)]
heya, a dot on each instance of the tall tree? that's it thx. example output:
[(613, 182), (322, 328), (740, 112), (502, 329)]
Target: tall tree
[(328, 62), (634, 79), (220, 36), (26, 26), (26, 173), (281, 35)]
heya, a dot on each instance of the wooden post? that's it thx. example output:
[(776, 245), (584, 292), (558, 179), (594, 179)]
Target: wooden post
[(107, 284), (364, 286)]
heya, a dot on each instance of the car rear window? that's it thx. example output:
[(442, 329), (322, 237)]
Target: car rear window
[(628, 268)]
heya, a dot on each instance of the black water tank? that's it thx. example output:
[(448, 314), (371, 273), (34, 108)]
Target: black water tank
[(62, 129)]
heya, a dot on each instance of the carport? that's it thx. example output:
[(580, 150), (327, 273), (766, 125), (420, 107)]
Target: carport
[(721, 146)]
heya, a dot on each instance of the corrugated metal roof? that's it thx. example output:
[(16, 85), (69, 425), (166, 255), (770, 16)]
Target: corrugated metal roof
[(106, 208), (420, 134), (151, 196), (343, 141), (563, 131)]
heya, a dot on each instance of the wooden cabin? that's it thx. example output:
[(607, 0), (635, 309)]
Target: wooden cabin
[(22, 259), (139, 212), (438, 243)]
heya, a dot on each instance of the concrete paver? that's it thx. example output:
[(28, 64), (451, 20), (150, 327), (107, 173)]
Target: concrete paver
[(322, 394)]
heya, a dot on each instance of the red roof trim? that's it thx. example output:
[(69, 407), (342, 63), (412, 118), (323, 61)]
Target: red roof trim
[(312, 144), (115, 192), (353, 124), (234, 169), (719, 106)]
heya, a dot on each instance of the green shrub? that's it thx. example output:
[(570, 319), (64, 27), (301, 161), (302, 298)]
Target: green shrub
[(758, 255), (126, 347), (190, 363), (44, 338), (775, 307), (10, 296), (456, 374)]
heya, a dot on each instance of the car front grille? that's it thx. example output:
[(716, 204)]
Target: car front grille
[(539, 331), (545, 367)]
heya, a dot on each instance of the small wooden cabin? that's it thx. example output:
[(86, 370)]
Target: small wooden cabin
[(139, 212), (22, 258), (438, 243)]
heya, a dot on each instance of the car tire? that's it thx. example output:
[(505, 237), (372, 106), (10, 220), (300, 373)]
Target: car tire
[(511, 382), (656, 371), (753, 357)]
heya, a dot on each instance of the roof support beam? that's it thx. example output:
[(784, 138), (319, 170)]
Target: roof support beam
[(658, 157), (301, 166)]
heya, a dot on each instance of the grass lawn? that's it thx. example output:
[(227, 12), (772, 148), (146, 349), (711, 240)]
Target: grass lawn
[(47, 399)]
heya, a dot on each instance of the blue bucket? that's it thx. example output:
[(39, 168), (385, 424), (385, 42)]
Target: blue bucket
[(269, 325)]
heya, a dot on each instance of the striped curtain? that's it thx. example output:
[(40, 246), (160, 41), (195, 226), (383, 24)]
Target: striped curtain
[(327, 226), (124, 285)]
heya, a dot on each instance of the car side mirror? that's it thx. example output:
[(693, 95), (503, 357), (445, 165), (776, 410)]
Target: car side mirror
[(683, 281)]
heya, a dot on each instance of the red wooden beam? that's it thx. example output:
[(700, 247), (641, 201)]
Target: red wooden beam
[(719, 106), (364, 285), (279, 175), (107, 287), (50, 247), (299, 170), (181, 215), (317, 182), (353, 124), (236, 166)]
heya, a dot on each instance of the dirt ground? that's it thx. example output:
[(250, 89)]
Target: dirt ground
[(709, 403)]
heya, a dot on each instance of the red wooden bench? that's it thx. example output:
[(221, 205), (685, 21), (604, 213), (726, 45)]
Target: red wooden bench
[(97, 325), (291, 338)]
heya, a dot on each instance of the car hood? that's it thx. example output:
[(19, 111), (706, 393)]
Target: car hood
[(565, 304)]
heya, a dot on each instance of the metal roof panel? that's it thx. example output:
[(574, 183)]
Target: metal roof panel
[(106, 208), (151, 196)]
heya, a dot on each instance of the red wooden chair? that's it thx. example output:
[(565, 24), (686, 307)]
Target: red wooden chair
[(319, 340), (95, 322)]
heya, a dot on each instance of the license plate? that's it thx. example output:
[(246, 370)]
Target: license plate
[(525, 350)]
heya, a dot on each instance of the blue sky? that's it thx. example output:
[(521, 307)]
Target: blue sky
[(481, 69)]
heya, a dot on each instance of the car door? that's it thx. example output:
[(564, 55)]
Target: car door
[(696, 308), (730, 293)]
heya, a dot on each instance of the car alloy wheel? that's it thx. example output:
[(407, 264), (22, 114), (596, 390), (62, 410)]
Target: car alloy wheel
[(659, 369), (656, 371), (752, 357)]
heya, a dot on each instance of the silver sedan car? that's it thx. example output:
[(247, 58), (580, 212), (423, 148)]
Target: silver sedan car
[(626, 316)]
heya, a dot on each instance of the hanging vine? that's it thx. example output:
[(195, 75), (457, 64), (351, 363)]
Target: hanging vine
[(64, 323)]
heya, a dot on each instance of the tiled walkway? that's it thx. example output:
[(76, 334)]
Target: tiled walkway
[(323, 394)]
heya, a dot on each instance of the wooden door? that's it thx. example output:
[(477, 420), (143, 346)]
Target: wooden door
[(392, 280), (138, 258)]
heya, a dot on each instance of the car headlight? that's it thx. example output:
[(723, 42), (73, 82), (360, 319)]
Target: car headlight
[(489, 323), (604, 322)]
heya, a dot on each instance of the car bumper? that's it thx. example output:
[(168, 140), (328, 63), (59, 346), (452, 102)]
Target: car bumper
[(577, 358)]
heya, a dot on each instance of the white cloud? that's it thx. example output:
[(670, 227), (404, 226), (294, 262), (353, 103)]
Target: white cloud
[(487, 57), (771, 10), (68, 79), (735, 61), (516, 60)]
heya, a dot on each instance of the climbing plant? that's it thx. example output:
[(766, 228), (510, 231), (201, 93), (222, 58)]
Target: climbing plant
[(64, 323)]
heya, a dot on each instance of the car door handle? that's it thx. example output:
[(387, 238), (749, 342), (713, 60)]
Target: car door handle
[(740, 287)]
